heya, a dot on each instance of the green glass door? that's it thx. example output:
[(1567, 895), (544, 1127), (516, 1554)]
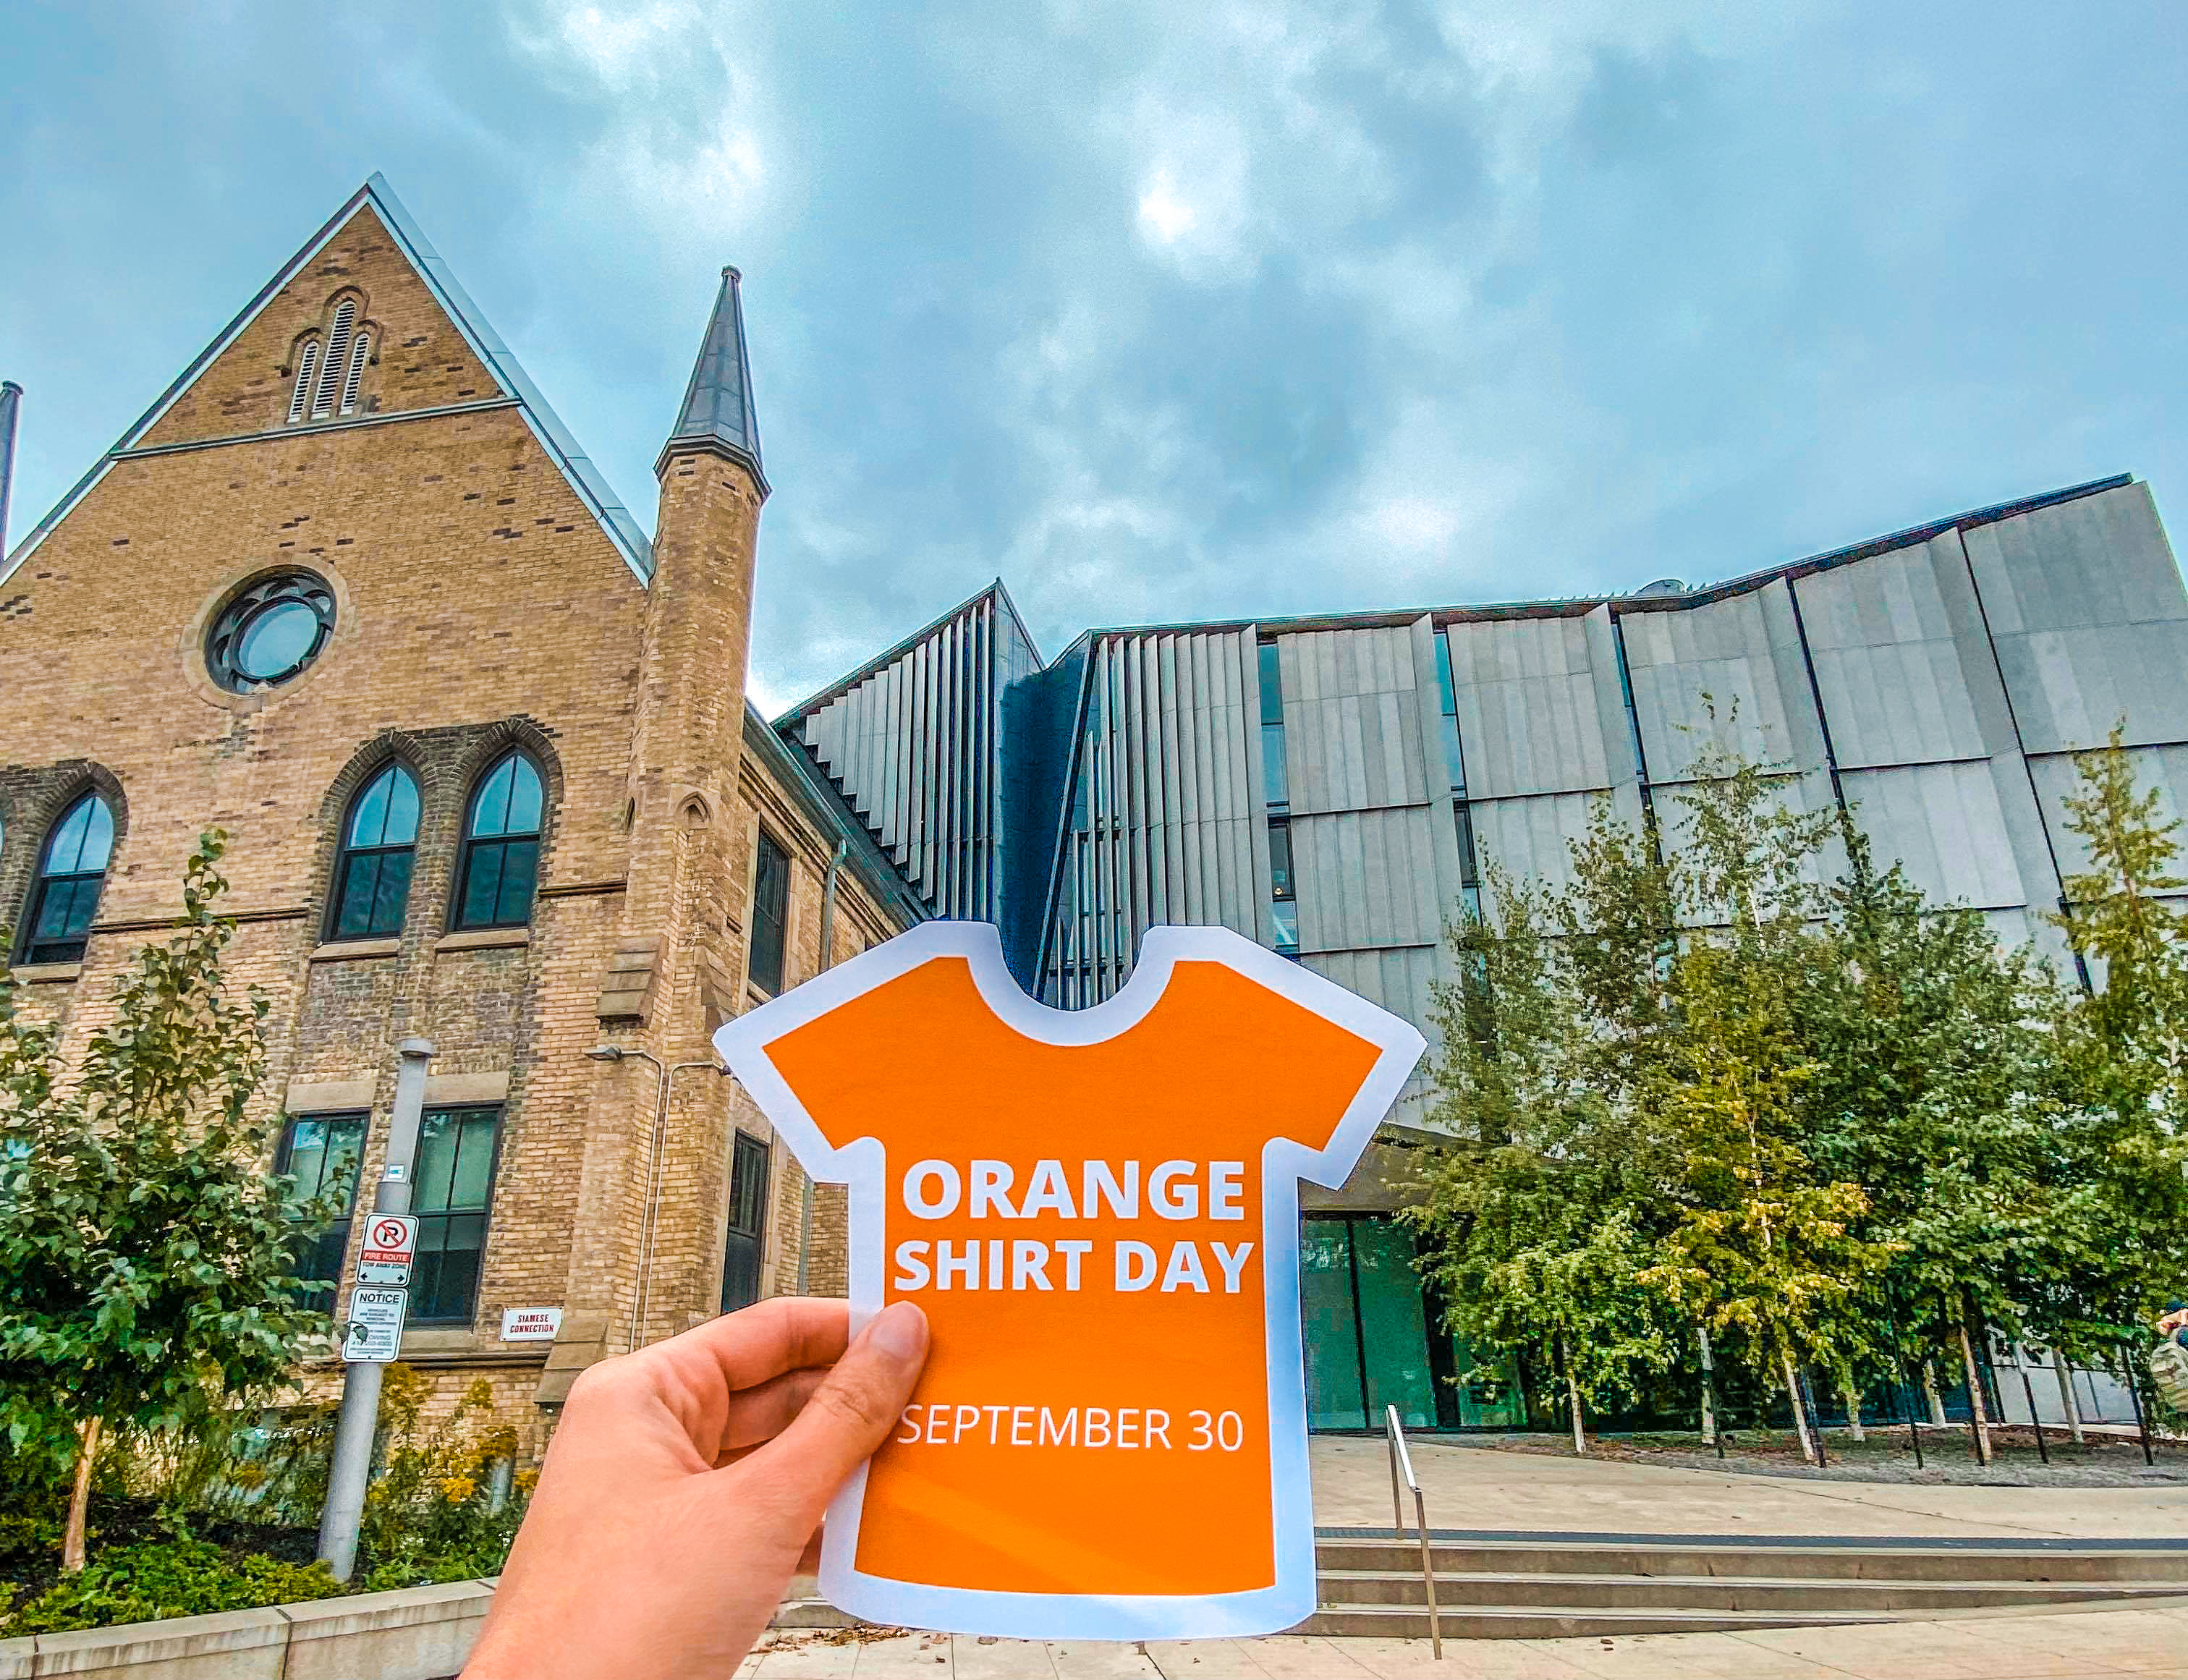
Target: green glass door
[(1363, 1321)]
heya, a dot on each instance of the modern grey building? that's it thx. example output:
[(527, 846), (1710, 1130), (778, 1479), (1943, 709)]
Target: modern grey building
[(1334, 787)]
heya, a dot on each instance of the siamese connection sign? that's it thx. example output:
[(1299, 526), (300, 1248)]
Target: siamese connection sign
[(1098, 1210)]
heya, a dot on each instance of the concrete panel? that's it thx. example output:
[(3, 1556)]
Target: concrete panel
[(1885, 660), (1792, 793), (1943, 823), (1685, 662), (1353, 739), (2162, 768), (1366, 879), (1531, 839), (1531, 716), (1398, 978), (2085, 604)]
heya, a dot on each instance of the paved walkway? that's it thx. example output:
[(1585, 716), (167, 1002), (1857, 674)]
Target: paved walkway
[(2089, 1646), (1478, 1487)]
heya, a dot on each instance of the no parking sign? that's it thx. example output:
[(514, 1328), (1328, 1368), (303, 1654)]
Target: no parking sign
[(390, 1242)]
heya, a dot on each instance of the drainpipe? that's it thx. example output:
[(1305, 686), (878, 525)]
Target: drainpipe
[(827, 951)]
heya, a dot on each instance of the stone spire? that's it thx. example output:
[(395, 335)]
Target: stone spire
[(718, 413)]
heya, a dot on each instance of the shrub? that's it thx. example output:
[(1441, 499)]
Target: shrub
[(430, 1515), (155, 1579)]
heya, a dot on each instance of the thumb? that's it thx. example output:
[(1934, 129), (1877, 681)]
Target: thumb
[(850, 1414)]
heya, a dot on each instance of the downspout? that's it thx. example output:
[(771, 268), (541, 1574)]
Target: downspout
[(828, 950)]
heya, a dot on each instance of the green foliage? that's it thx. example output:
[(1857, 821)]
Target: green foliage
[(178, 1575), (429, 1514), (1719, 1081), (146, 1255)]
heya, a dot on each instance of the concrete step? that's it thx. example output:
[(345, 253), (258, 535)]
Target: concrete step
[(1506, 1621), (1535, 1589), (2010, 1562)]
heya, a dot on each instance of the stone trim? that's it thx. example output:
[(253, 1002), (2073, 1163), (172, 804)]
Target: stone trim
[(412, 1634), (466, 1091), (47, 973), (327, 1096), (307, 429), (482, 939), (345, 950)]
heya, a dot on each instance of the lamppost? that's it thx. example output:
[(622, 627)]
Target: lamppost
[(663, 1075)]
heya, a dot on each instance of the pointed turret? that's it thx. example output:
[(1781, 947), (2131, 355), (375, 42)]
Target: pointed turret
[(718, 412)]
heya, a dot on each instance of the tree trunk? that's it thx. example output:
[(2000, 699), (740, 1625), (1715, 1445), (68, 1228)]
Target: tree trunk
[(1800, 1412), (1572, 1393), (1852, 1390), (79, 1511), (1977, 1409), (1930, 1393), (2066, 1396), (1709, 1411)]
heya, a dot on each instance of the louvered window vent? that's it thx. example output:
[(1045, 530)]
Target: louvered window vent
[(307, 363), (337, 358)]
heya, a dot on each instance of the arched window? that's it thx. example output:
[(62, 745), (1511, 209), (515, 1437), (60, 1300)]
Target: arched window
[(307, 363), (372, 877), (337, 358), (69, 876), (501, 848)]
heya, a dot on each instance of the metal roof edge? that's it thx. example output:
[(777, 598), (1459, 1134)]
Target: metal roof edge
[(623, 530), (801, 779), (844, 684), (1699, 594), (555, 436), (1003, 594)]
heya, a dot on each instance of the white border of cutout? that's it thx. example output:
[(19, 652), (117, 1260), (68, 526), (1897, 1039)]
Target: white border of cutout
[(743, 1044)]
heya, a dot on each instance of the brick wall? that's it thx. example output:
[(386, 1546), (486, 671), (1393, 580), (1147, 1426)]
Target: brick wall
[(479, 607)]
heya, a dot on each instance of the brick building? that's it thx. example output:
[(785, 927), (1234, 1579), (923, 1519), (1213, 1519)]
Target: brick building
[(351, 591)]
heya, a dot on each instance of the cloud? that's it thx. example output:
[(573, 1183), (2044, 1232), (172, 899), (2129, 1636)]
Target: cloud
[(1165, 313)]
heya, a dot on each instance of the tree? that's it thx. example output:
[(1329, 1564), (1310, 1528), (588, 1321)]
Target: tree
[(1530, 1219), (2121, 1227), (147, 1257)]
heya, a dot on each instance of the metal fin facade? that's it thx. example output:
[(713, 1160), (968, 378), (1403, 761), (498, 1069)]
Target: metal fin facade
[(913, 744), (1340, 788)]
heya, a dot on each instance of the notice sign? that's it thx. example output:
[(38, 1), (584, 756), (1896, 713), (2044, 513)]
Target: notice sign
[(530, 1324), (375, 1325), (390, 1241), (1098, 1210)]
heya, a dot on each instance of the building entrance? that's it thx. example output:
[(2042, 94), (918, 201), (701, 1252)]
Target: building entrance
[(1367, 1325)]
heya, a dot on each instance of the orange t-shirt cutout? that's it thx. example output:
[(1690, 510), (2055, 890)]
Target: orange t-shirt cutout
[(1098, 1212)]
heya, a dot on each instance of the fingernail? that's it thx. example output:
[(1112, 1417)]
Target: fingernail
[(900, 1332)]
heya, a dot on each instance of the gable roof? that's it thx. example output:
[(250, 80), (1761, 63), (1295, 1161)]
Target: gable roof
[(583, 476)]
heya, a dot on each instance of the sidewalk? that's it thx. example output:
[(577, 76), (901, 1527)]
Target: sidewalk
[(1480, 1487), (2093, 1645)]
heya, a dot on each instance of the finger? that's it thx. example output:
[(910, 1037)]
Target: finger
[(696, 1376), (849, 1415), (760, 1414)]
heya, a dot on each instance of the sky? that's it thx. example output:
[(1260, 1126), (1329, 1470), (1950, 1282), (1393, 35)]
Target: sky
[(1165, 311)]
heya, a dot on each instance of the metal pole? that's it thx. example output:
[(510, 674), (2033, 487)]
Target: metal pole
[(653, 1191), (360, 1408), (2020, 1363), (1709, 1391), (2141, 1415), (1913, 1423)]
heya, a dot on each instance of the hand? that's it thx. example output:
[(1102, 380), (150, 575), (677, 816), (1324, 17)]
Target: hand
[(685, 1485)]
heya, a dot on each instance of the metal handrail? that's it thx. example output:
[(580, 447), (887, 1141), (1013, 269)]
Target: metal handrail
[(1401, 1465)]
